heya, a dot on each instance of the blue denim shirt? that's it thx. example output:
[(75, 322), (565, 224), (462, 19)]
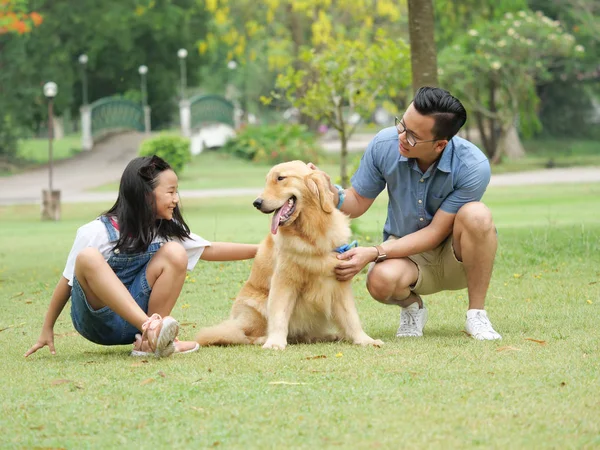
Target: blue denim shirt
[(460, 176)]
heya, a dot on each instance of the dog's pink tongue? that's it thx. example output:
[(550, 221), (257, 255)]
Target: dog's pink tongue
[(275, 222)]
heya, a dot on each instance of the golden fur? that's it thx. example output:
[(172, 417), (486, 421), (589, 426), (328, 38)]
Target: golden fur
[(292, 293)]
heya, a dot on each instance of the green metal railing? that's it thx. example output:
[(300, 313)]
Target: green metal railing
[(112, 114), (207, 109)]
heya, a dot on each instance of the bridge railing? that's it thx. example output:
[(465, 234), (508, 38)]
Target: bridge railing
[(202, 110), (111, 114)]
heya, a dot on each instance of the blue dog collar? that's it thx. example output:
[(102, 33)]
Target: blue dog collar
[(346, 247)]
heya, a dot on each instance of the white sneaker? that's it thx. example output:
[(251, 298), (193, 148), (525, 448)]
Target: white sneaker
[(412, 321), (479, 327)]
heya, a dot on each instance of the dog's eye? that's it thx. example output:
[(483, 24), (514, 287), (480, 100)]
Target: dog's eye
[(280, 178)]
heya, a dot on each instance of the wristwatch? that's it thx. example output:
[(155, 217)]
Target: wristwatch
[(381, 255)]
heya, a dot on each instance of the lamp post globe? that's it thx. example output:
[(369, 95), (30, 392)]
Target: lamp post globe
[(50, 89), (143, 70), (232, 65), (83, 59), (182, 53)]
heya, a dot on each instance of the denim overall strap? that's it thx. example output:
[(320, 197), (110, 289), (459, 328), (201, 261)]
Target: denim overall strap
[(110, 229)]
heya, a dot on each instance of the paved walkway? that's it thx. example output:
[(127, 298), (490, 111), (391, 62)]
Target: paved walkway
[(105, 163)]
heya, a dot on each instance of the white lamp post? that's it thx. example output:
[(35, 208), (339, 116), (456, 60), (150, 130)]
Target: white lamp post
[(182, 55), (143, 70), (83, 60), (50, 197)]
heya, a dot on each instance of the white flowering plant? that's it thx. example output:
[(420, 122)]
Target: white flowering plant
[(494, 67)]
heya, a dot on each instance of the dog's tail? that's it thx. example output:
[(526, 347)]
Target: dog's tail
[(229, 332)]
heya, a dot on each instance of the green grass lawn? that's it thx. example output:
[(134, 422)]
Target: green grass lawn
[(537, 388), (35, 151), (215, 170), (543, 153)]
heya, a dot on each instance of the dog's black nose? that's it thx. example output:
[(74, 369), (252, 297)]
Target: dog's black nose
[(257, 203)]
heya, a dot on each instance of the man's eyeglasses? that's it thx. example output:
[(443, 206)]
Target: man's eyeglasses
[(412, 140)]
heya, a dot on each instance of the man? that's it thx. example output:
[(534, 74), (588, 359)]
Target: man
[(438, 235)]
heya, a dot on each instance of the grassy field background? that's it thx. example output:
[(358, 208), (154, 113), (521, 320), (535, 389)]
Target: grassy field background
[(537, 388)]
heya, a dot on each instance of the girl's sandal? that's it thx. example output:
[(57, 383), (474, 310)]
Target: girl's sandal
[(157, 338)]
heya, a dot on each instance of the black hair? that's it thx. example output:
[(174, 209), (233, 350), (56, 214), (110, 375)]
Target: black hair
[(448, 112), (135, 208)]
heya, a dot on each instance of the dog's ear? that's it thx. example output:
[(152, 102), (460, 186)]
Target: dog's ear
[(319, 186)]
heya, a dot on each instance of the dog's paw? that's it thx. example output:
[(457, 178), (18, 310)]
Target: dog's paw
[(274, 344), (369, 341)]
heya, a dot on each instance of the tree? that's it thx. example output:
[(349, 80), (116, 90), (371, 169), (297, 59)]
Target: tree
[(265, 37), (14, 17), (344, 78), (494, 69), (15, 20), (423, 54), (567, 102)]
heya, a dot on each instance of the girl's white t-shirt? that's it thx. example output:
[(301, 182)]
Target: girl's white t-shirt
[(94, 234)]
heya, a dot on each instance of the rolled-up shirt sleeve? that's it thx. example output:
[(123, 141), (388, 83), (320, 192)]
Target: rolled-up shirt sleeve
[(368, 181), (471, 185), (194, 247)]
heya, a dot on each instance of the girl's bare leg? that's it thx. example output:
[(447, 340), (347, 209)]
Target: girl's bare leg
[(102, 287), (165, 274)]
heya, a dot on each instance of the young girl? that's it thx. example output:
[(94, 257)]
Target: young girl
[(127, 267)]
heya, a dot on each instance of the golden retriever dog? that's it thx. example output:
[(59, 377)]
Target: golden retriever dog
[(292, 293)]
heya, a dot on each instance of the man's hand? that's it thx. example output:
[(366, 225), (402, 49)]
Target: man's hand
[(332, 188), (353, 261), (46, 338)]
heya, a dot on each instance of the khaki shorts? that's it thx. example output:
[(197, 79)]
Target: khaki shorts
[(439, 270)]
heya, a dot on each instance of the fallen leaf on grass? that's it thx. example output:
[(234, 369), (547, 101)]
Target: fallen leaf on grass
[(140, 363), (187, 324), (38, 428), (589, 302), (507, 347), (147, 381), (63, 381), (339, 355), (195, 408), (18, 294), (12, 326), (536, 340), (316, 357), (291, 383), (562, 384), (71, 333), (162, 374)]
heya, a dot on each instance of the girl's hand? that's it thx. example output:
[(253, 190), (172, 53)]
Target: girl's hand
[(46, 338)]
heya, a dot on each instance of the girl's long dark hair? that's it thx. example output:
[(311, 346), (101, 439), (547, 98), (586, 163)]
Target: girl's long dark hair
[(135, 208)]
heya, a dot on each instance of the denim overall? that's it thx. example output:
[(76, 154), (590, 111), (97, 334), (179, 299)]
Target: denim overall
[(104, 326)]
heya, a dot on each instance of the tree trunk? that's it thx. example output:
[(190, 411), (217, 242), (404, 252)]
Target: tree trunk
[(296, 25), (509, 145), (483, 137), (423, 54), (344, 159)]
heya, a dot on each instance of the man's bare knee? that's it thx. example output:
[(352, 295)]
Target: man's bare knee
[(475, 217), (381, 284)]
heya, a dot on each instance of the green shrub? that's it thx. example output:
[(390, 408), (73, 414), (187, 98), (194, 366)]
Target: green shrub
[(173, 149), (273, 144)]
